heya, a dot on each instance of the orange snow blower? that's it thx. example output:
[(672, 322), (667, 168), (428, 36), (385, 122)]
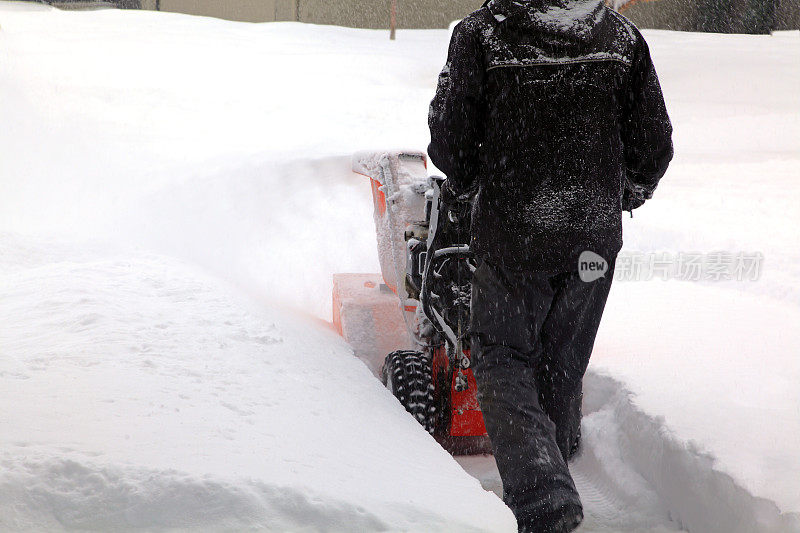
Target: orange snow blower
[(417, 308)]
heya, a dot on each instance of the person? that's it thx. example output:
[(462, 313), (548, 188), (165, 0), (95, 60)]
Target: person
[(549, 118)]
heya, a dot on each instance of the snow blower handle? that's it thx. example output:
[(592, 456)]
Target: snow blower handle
[(634, 196), (457, 205), (448, 244)]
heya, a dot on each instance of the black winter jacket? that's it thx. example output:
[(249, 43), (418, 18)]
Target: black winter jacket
[(548, 110)]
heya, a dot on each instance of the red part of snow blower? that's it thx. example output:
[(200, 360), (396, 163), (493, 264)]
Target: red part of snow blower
[(417, 308)]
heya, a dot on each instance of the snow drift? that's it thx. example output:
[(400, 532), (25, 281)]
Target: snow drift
[(143, 395)]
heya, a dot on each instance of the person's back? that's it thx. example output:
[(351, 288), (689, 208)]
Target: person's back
[(550, 107), (549, 113)]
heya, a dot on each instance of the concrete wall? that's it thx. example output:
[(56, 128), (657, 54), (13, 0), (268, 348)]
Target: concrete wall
[(740, 16), (375, 13), (355, 13), (95, 4), (725, 16), (787, 16), (244, 10), (663, 14)]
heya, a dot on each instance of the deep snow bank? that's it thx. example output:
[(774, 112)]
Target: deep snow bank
[(141, 394), (722, 371), (634, 473), (648, 465)]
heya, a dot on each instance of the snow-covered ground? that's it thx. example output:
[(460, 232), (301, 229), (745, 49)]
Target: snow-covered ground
[(175, 195)]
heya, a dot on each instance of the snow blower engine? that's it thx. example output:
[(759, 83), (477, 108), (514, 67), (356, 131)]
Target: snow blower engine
[(426, 263)]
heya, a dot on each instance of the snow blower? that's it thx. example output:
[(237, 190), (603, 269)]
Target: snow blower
[(426, 264)]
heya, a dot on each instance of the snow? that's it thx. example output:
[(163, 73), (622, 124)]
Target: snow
[(160, 381), (724, 370), (176, 195), (571, 17), (146, 396), (724, 382)]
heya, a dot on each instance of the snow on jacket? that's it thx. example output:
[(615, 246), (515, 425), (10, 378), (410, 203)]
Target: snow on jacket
[(548, 110)]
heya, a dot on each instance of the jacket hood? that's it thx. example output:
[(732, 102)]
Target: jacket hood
[(578, 20)]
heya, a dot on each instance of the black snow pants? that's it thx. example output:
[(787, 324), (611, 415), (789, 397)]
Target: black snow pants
[(533, 334)]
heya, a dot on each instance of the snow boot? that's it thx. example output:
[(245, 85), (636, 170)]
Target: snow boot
[(562, 520)]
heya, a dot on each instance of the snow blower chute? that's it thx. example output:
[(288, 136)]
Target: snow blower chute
[(423, 248)]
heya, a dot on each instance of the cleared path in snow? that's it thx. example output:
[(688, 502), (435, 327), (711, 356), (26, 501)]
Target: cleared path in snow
[(634, 475), (616, 498)]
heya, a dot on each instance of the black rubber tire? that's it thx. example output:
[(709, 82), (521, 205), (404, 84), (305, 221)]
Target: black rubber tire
[(407, 375)]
